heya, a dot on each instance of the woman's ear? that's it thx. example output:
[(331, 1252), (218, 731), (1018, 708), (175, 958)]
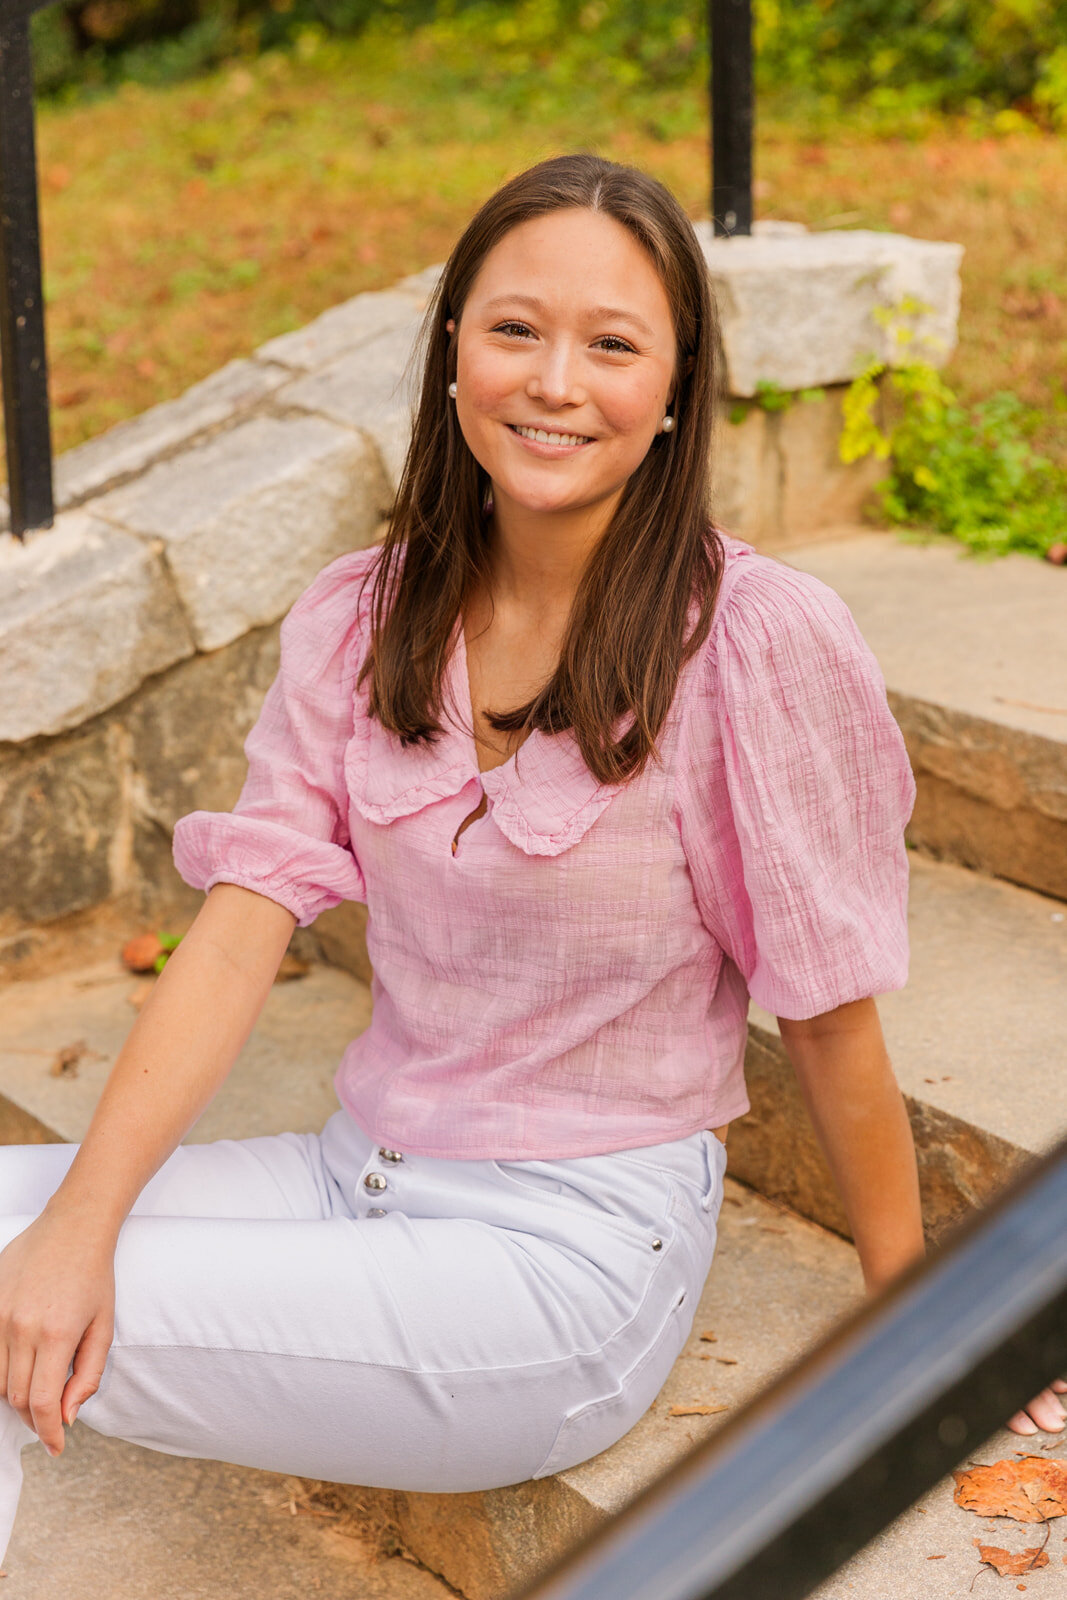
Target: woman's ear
[(450, 325)]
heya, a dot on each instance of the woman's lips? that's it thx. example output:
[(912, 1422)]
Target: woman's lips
[(549, 442)]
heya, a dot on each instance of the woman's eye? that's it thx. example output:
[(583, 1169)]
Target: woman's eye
[(614, 345), (517, 330)]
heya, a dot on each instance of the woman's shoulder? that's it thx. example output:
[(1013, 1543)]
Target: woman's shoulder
[(772, 614), (331, 616)]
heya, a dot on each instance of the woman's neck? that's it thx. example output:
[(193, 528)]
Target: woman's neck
[(537, 558)]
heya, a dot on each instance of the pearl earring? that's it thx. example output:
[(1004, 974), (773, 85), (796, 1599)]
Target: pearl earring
[(452, 391), (667, 424)]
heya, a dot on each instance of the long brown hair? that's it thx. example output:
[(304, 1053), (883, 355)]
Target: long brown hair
[(626, 640)]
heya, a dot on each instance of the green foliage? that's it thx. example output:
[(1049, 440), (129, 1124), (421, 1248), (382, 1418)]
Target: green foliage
[(897, 56), (170, 942), (771, 396), (969, 471)]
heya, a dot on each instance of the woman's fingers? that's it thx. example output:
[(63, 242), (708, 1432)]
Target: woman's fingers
[(46, 1387), (89, 1361), (19, 1373), (1059, 1385)]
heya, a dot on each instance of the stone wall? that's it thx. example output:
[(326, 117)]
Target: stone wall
[(139, 634)]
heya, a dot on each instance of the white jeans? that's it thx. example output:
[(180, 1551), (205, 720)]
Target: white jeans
[(314, 1304)]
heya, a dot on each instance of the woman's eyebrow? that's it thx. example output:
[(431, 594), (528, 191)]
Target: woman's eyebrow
[(595, 313)]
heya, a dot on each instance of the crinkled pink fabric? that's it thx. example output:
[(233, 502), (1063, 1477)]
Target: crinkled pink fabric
[(575, 978)]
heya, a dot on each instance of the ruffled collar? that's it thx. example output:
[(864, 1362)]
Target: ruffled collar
[(543, 798)]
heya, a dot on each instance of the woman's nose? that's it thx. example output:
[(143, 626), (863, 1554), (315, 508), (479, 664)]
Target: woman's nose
[(554, 378)]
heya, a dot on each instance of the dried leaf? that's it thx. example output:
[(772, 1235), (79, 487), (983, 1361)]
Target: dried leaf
[(1031, 1490), (66, 1059), (709, 1337), (935, 1558), (1010, 1564), (726, 1361), (694, 1411)]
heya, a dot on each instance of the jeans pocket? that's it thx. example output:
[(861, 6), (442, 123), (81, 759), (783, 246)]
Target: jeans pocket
[(599, 1189)]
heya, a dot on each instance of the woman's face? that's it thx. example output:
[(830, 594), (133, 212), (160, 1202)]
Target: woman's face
[(565, 362)]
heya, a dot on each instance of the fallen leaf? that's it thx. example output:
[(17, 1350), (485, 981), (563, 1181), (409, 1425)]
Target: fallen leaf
[(709, 1337), (141, 954), (935, 1558), (727, 1361), (66, 1059), (1031, 1490), (694, 1411), (1008, 1563)]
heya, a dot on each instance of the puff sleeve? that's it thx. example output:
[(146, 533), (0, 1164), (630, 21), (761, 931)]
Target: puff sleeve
[(287, 836), (795, 834)]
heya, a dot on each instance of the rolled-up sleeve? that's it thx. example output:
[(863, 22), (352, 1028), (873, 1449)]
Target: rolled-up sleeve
[(287, 837), (798, 856)]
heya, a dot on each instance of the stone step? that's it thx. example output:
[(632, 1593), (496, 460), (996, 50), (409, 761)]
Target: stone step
[(282, 1079), (112, 1521), (975, 660), (976, 1039), (981, 948)]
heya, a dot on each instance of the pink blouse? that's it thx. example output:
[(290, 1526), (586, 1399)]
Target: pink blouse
[(575, 978)]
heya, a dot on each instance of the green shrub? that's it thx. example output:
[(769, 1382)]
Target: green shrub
[(971, 471), (896, 55)]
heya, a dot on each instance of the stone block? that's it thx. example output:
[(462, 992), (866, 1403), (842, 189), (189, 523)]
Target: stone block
[(774, 1150), (778, 477), (990, 797), (86, 613), (249, 517), (373, 388), (187, 729), (804, 309), (342, 328), (746, 478), (818, 489), (63, 827), (422, 284), (974, 654), (340, 937), (130, 447)]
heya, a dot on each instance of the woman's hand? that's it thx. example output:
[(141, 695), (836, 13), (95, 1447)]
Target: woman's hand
[(1046, 1412), (57, 1304)]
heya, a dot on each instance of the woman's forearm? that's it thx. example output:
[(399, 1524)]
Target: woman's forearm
[(182, 1045), (861, 1122)]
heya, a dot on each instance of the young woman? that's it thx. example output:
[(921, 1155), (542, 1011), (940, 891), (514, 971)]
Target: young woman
[(600, 773)]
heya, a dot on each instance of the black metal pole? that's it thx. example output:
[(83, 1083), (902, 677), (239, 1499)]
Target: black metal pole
[(730, 30), (27, 427)]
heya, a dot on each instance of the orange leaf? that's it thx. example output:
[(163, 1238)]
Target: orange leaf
[(1031, 1490), (1009, 1564), (694, 1411)]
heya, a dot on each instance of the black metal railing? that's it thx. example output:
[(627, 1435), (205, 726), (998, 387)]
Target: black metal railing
[(732, 100), (23, 364), (830, 1454)]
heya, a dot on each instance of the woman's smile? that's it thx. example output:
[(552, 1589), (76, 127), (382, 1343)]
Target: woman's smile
[(549, 443)]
